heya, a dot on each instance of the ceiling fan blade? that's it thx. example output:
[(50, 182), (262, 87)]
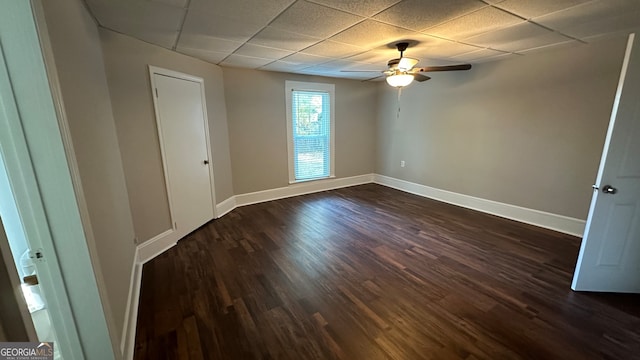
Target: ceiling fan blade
[(378, 71), (406, 63), (420, 77), (373, 78), (445, 68)]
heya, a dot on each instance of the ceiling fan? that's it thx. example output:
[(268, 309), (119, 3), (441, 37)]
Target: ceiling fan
[(402, 71)]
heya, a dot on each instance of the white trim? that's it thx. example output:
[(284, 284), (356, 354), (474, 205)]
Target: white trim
[(296, 189), (157, 245), (127, 342), (163, 154), (74, 171), (564, 224), (162, 242), (310, 86), (225, 207), (154, 70), (23, 150)]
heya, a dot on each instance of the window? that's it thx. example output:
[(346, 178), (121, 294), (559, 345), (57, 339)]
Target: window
[(310, 126)]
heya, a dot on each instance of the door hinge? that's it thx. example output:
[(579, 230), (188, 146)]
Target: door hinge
[(175, 225), (156, 92), (37, 255)]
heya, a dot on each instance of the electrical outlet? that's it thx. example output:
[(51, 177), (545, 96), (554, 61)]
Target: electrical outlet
[(402, 163)]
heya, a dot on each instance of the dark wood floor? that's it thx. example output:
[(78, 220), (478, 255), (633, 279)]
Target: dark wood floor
[(368, 272)]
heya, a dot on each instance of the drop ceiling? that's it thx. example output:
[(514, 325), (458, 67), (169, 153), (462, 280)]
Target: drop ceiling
[(323, 37)]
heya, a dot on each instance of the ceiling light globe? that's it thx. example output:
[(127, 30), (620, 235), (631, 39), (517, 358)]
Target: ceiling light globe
[(399, 80)]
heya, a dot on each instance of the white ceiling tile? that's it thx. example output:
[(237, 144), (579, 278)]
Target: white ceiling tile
[(518, 37), (282, 39), (207, 43), (165, 38), (283, 66), (219, 27), (624, 23), (370, 34), (445, 49), (262, 52), (607, 36), (154, 23), (346, 64), (209, 56), (335, 49), (422, 14), (321, 71), (424, 62), (529, 9), (324, 36), (251, 11), (377, 56), (306, 59), (503, 56), (593, 18), (358, 7), (245, 61), (477, 22), (426, 46), (421, 40), (477, 55), (137, 15), (314, 20), (568, 44)]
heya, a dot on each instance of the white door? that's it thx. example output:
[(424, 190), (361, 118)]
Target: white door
[(183, 133), (609, 257)]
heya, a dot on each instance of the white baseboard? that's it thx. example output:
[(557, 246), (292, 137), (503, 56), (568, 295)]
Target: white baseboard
[(301, 189), (225, 207), (128, 340), (162, 242), (157, 245), (564, 224)]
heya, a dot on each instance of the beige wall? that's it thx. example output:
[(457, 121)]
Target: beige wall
[(258, 132), (527, 132), (80, 69), (127, 61)]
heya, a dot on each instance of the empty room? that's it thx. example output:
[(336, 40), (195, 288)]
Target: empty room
[(320, 179)]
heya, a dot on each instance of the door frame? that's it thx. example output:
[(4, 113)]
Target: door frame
[(39, 173), (15, 152), (154, 70)]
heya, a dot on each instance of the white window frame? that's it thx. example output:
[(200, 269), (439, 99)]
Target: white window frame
[(290, 86)]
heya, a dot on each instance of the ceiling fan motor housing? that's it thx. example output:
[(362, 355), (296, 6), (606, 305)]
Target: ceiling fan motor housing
[(402, 46)]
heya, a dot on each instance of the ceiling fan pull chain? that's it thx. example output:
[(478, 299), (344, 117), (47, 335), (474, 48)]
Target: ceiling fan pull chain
[(398, 113)]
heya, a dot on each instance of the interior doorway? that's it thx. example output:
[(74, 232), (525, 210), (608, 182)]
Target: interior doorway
[(24, 262), (183, 130)]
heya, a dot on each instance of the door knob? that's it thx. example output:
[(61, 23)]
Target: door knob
[(206, 162), (608, 189)]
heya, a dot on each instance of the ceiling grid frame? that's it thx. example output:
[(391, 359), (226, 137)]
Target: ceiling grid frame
[(280, 45)]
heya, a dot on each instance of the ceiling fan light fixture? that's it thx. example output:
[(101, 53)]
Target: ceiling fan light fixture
[(399, 80)]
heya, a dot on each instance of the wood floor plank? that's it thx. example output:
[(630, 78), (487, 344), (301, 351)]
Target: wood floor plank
[(369, 272)]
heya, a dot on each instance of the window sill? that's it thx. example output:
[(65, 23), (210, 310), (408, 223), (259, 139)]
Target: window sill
[(311, 180)]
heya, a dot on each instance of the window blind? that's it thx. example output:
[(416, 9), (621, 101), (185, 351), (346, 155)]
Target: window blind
[(311, 134)]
